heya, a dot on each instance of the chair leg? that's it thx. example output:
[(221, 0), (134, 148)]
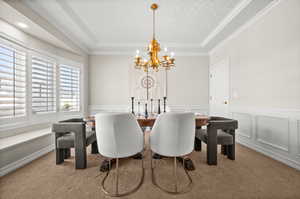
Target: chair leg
[(211, 146), (231, 152), (224, 149), (80, 158), (197, 145), (67, 153), (59, 155), (184, 190), (116, 193), (94, 148)]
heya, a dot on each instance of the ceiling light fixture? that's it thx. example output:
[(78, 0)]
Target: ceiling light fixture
[(153, 49), (22, 25)]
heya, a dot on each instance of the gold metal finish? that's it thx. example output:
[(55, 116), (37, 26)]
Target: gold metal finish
[(116, 193), (154, 6), (153, 50), (185, 189)]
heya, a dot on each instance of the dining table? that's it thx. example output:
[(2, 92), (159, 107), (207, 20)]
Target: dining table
[(144, 122)]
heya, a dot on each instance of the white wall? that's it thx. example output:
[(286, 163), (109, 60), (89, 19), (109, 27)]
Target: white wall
[(265, 81), (109, 81), (265, 61)]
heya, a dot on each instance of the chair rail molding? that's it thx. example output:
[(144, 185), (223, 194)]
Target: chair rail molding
[(93, 109), (273, 132)]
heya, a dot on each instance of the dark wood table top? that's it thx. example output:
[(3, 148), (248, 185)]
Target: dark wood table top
[(201, 120)]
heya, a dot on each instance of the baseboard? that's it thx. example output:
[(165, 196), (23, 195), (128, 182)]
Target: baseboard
[(19, 163), (285, 160)]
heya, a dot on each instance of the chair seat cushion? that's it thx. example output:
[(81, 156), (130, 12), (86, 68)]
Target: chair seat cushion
[(223, 138), (67, 140)]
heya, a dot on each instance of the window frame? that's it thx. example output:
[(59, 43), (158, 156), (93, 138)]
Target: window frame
[(11, 126), (24, 50)]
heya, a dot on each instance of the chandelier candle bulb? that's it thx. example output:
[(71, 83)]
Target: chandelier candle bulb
[(172, 54)]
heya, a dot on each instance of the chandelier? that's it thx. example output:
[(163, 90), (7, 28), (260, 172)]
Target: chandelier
[(153, 50)]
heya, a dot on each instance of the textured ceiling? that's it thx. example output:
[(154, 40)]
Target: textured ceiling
[(117, 25)]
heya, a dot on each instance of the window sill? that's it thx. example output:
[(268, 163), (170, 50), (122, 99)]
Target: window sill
[(35, 124), (7, 142)]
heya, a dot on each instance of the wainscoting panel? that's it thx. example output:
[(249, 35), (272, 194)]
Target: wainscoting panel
[(298, 137), (273, 131), (245, 124)]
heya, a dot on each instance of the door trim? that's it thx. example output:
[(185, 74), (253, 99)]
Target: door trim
[(212, 67)]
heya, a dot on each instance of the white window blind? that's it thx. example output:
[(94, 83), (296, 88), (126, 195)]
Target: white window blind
[(69, 90), (12, 82), (43, 85)]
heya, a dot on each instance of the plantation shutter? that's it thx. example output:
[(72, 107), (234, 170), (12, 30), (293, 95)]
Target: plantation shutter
[(12, 82), (43, 86), (69, 90)]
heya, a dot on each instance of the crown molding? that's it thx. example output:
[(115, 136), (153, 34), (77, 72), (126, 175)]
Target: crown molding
[(132, 53), (180, 49), (145, 44), (254, 19), (237, 10), (77, 20), (28, 12)]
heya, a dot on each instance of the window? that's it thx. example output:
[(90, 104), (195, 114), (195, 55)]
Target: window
[(43, 86), (69, 91), (12, 82)]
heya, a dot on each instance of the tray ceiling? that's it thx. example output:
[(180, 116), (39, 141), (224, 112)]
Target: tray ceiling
[(124, 25)]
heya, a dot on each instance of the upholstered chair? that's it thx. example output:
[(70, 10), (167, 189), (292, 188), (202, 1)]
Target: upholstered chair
[(225, 131), (173, 136), (119, 136), (72, 134)]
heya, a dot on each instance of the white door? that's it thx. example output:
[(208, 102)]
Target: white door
[(219, 89)]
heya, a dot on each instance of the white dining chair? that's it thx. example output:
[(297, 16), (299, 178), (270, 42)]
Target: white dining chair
[(173, 135), (119, 136)]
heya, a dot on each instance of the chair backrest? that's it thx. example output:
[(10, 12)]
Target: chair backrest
[(118, 135), (173, 134)]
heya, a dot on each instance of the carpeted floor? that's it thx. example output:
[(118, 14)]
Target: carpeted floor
[(251, 175)]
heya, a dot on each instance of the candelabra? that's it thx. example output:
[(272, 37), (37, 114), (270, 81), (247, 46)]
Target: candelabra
[(158, 111), (139, 113), (146, 111), (132, 105), (165, 98)]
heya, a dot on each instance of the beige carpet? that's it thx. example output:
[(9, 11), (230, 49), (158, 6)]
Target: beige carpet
[(251, 175)]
